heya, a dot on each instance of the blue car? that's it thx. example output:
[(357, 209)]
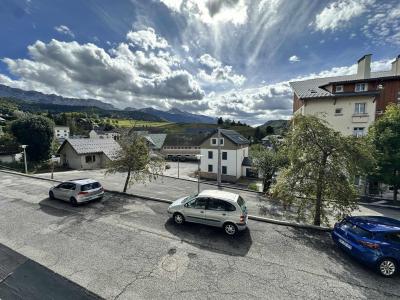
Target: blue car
[(375, 241)]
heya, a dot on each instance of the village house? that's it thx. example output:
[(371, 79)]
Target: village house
[(234, 156), (102, 134), (86, 154), (351, 103), (182, 146), (61, 133), (10, 154)]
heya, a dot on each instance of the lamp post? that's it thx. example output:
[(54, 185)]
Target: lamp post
[(179, 158), (198, 156), (26, 166)]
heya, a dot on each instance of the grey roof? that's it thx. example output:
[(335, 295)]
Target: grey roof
[(182, 139), (311, 88), (246, 162), (86, 146), (158, 139), (235, 137)]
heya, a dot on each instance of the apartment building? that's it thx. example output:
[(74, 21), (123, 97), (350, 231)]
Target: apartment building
[(351, 103)]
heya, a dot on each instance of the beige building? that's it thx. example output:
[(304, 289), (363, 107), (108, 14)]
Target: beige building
[(351, 103), (87, 154), (101, 134), (234, 156)]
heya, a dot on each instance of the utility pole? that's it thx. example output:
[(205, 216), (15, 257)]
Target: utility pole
[(198, 172), (26, 165), (219, 158), (179, 158)]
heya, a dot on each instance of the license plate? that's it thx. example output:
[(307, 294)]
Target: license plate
[(347, 245)]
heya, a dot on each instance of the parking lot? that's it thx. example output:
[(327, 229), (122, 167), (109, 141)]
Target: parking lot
[(127, 248)]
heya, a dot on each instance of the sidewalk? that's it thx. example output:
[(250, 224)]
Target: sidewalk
[(172, 188)]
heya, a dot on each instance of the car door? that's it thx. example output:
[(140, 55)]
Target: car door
[(392, 248), (65, 191), (194, 210), (61, 190), (218, 211)]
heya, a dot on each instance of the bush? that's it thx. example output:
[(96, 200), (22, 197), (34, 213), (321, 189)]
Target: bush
[(253, 187), (167, 167)]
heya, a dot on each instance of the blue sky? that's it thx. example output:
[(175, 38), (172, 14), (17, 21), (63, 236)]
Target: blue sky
[(230, 58)]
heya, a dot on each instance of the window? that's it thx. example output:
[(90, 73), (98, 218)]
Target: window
[(199, 203), (220, 205), (210, 168), (90, 158), (213, 141), (90, 186), (338, 111), (221, 141), (224, 169), (361, 87), (360, 108), (339, 88), (210, 154), (67, 186), (358, 131), (224, 155), (242, 204), (393, 237), (348, 226)]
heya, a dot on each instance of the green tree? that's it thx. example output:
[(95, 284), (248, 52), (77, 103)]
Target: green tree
[(267, 162), (37, 132), (269, 130), (220, 121), (320, 175), (135, 159), (258, 134), (384, 135)]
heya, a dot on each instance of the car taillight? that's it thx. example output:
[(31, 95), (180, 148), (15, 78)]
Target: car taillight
[(369, 245), (83, 193), (242, 219)]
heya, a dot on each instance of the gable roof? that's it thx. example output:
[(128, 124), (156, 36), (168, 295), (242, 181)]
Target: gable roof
[(312, 88), (157, 139), (234, 136), (87, 146), (182, 139)]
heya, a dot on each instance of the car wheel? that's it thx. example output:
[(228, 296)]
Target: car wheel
[(179, 219), (387, 267), (230, 229), (51, 196), (73, 201)]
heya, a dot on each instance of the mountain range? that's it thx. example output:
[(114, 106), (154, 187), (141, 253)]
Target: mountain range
[(55, 102)]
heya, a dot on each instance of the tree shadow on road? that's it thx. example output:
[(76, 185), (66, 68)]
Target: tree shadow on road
[(211, 238), (341, 266)]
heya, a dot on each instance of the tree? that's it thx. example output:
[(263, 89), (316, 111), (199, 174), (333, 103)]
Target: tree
[(267, 162), (321, 169), (384, 134), (220, 121), (135, 159), (258, 134), (37, 132), (269, 130)]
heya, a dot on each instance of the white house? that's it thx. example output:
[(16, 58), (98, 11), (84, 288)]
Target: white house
[(101, 134), (9, 154), (61, 132), (234, 156), (84, 154)]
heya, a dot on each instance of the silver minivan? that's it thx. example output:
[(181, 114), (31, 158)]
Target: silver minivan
[(77, 191), (212, 207)]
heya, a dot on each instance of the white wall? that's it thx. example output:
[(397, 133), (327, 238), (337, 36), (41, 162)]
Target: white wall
[(345, 123), (61, 132)]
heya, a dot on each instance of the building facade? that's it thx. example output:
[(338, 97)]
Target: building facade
[(234, 156), (351, 103), (101, 134), (87, 154), (61, 132)]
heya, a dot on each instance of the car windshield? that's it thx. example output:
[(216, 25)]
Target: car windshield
[(354, 229), (242, 204), (189, 198), (90, 186)]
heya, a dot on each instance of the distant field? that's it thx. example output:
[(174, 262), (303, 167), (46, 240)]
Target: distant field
[(137, 123)]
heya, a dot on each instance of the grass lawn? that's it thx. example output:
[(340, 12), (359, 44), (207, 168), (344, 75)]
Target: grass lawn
[(137, 123)]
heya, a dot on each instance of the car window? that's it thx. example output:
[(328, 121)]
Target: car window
[(346, 225), (199, 203), (242, 204), (393, 237), (215, 204), (67, 186), (90, 186)]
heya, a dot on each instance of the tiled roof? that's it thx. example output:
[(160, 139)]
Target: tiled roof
[(234, 137), (158, 139), (311, 88), (181, 139), (86, 146)]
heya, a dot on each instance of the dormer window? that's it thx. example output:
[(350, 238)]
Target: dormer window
[(214, 142), (339, 89), (361, 87)]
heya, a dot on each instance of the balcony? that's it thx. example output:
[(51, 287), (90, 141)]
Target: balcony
[(360, 118)]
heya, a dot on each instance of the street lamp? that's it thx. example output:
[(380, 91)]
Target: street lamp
[(26, 166), (198, 156)]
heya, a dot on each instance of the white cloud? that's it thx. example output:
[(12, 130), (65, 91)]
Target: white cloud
[(339, 13), (294, 58), (64, 30), (216, 73), (147, 39)]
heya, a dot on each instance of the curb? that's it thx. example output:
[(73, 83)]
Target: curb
[(379, 205)]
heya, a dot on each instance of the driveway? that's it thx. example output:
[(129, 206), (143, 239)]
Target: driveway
[(127, 248)]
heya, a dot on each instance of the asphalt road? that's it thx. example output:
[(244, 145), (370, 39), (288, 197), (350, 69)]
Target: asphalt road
[(127, 248)]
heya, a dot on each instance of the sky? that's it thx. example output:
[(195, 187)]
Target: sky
[(228, 58)]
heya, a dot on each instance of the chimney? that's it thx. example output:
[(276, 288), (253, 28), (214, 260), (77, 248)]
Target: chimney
[(396, 66), (364, 67)]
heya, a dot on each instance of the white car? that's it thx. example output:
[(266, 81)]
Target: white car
[(77, 191), (212, 207)]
